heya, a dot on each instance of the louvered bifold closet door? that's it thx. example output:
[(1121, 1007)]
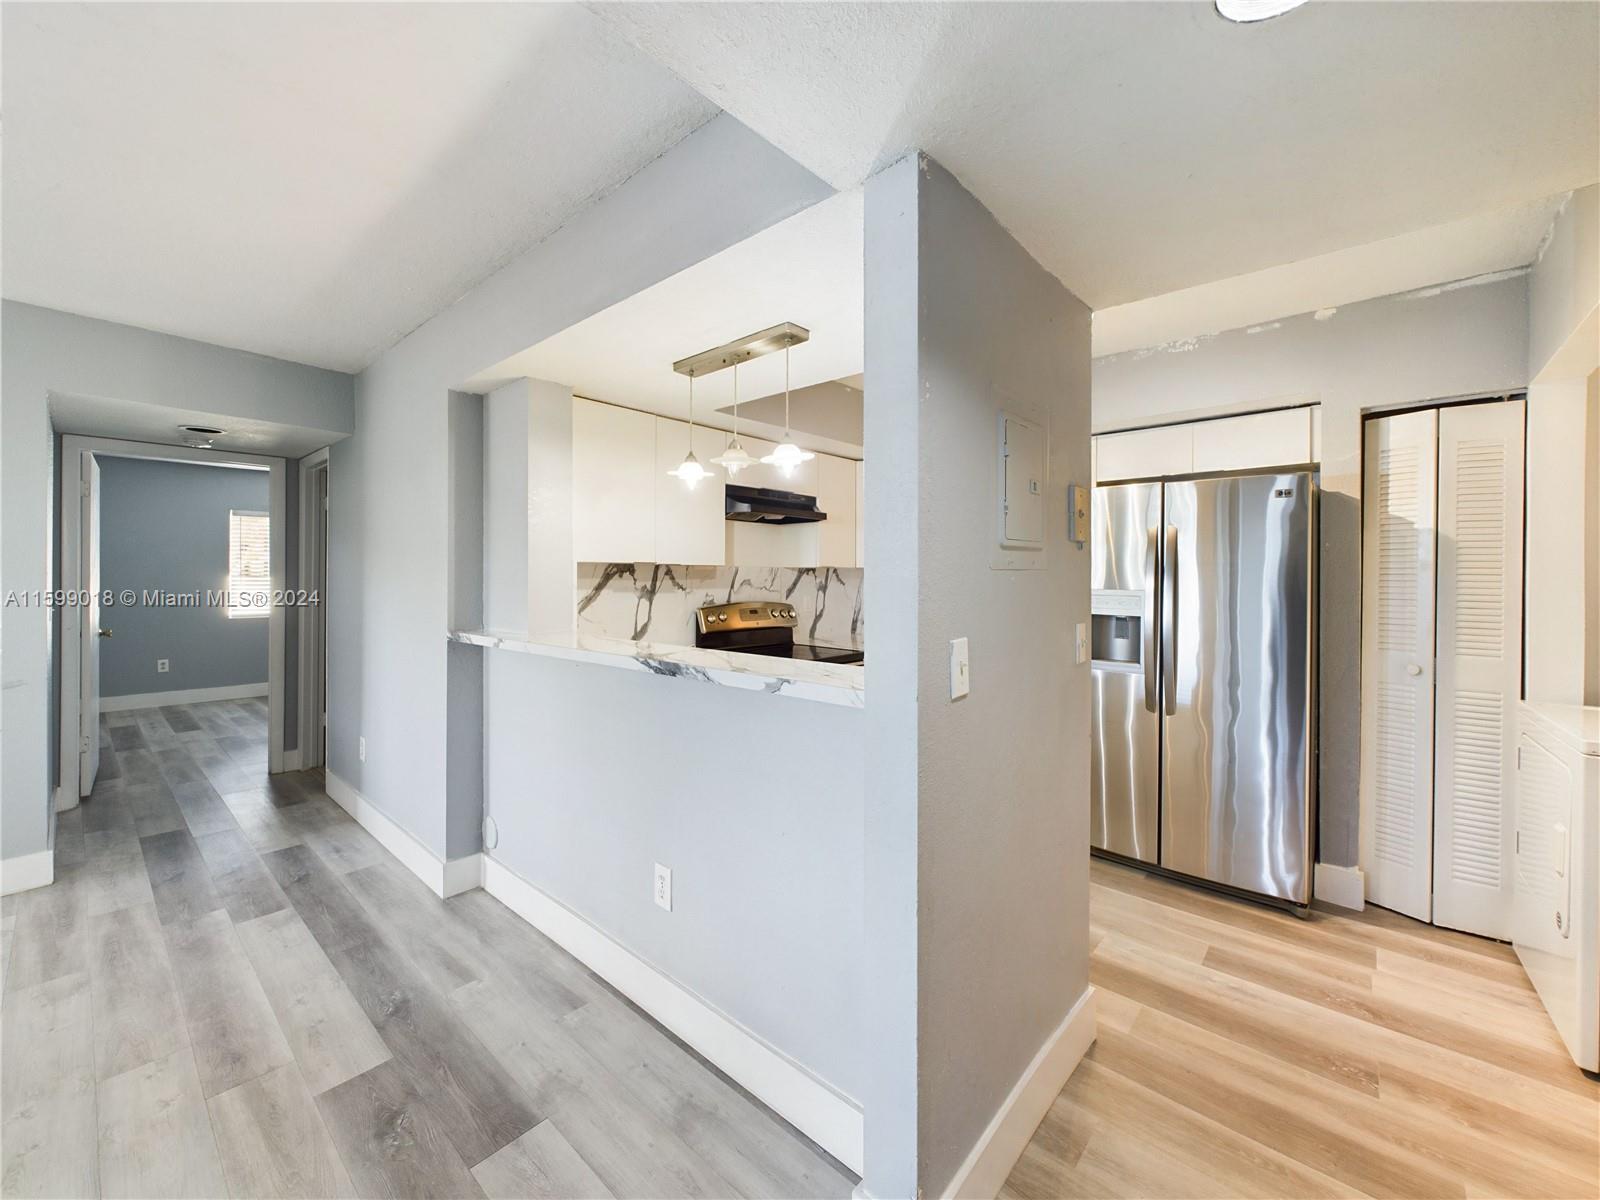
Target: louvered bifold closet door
[(1479, 663), (1397, 579)]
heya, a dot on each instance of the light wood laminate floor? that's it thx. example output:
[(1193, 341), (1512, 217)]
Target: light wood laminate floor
[(232, 989), (1243, 1052)]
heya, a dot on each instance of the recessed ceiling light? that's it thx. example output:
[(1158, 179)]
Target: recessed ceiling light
[(1246, 11)]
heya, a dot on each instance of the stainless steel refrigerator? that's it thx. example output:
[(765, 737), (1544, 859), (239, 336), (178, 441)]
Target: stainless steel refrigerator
[(1203, 635)]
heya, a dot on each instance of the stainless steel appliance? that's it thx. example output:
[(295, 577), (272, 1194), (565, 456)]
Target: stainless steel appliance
[(1203, 753), (761, 627)]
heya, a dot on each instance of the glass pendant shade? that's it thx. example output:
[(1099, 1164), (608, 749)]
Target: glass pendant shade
[(734, 459), (786, 456), (690, 470)]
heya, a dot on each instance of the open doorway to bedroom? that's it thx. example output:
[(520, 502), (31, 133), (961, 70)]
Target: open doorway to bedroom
[(172, 629)]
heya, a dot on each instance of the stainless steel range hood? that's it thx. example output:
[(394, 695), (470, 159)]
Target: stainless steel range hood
[(770, 506)]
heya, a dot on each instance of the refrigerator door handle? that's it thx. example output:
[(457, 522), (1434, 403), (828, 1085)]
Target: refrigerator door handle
[(1149, 622), (1169, 621)]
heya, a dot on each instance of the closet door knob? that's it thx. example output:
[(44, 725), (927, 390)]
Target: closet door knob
[(1413, 669)]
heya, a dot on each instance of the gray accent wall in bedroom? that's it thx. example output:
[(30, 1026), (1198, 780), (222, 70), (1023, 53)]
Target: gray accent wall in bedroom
[(164, 527)]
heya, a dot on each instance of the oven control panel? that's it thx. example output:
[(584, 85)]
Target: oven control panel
[(747, 614)]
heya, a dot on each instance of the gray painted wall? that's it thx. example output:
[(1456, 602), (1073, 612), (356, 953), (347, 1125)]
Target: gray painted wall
[(391, 591), (42, 351), (593, 775), (1392, 351), (990, 792), (585, 750), (164, 527)]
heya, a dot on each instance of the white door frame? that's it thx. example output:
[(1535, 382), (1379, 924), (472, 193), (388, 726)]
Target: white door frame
[(311, 743), (72, 448)]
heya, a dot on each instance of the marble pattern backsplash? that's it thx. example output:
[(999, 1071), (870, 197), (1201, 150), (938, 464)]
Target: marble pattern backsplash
[(658, 600)]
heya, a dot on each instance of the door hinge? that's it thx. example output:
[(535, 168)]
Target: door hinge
[(83, 487)]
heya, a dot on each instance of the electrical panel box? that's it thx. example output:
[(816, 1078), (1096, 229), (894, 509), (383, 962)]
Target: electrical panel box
[(1022, 483)]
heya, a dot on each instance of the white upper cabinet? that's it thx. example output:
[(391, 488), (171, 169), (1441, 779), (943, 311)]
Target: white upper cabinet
[(1268, 439), (836, 496), (1281, 438), (627, 508), (613, 483), (1145, 453), (689, 520)]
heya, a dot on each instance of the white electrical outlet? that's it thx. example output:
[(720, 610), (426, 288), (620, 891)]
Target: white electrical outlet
[(663, 888), (163, 665), (361, 748), (960, 683), (1080, 643)]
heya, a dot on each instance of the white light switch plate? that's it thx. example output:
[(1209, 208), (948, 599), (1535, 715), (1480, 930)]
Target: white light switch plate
[(663, 887), (960, 680), (1080, 643)]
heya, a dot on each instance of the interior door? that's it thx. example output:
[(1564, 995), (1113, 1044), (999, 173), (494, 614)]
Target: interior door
[(1398, 549), (89, 659), (1236, 674), (1479, 664)]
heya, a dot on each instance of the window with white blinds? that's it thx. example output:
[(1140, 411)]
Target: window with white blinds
[(249, 564)]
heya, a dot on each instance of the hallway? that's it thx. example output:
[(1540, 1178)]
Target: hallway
[(232, 989), (1243, 1052)]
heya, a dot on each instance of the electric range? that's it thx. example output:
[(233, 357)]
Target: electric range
[(761, 627)]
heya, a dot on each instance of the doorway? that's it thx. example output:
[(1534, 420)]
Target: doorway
[(237, 589), (1442, 592)]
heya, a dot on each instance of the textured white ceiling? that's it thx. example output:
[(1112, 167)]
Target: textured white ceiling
[(1458, 250), (309, 181), (807, 269), (1136, 149)]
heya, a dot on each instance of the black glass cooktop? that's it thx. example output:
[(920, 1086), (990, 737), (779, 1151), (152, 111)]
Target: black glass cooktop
[(827, 654)]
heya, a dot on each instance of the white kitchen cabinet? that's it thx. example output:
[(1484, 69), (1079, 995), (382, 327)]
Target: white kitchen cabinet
[(1267, 439), (613, 483), (836, 496), (689, 521), (1145, 453)]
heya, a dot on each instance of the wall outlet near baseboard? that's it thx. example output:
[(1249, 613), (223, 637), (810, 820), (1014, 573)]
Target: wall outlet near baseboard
[(163, 665), (663, 887), (361, 749)]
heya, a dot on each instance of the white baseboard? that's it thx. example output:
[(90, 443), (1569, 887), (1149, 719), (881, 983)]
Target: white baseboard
[(444, 878), (27, 871), (1008, 1134), (291, 760), (462, 874), (1344, 886), (238, 691), (830, 1119), (65, 800)]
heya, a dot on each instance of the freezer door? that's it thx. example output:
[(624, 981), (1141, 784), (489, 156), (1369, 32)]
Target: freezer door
[(1125, 741), (1237, 633)]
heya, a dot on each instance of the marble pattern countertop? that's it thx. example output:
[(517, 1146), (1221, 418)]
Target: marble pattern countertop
[(826, 683)]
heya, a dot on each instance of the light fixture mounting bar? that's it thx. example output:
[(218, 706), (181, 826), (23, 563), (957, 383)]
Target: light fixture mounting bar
[(750, 346)]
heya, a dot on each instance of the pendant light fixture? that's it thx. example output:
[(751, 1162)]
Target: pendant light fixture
[(786, 456), (734, 459), (690, 471)]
